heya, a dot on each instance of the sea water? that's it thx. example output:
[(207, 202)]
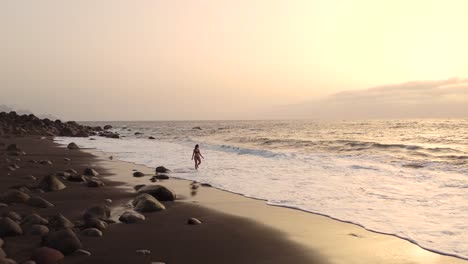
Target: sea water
[(407, 178)]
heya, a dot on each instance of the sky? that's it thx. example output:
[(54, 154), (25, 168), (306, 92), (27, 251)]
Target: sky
[(234, 59)]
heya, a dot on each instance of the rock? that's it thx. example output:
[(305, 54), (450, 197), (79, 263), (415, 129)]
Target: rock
[(151, 138), (90, 172), (76, 178), (29, 262), (146, 203), (91, 232), (159, 192), (161, 177), (33, 161), (34, 219), (63, 174), (9, 227), (143, 252), (3, 205), (81, 252), (131, 217), (197, 128), (71, 171), (107, 127), (98, 211), (66, 159), (1, 243), (95, 223), (95, 183), (138, 174), (2, 254), (108, 200), (39, 202), (13, 216), (162, 169), (13, 147), (59, 221), (14, 196), (46, 255), (30, 177), (138, 133), (45, 162), (7, 261), (73, 146), (64, 241), (38, 230), (138, 186), (51, 183), (194, 187), (193, 221)]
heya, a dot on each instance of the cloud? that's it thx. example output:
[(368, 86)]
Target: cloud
[(420, 99)]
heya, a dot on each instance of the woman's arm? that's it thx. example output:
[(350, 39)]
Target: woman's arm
[(202, 155), (193, 155)]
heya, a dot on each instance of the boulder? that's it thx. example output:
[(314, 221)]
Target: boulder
[(9, 227), (45, 162), (159, 192), (13, 216), (71, 171), (107, 127), (146, 203), (95, 183), (76, 178), (90, 172), (91, 232), (59, 221), (161, 177), (14, 196), (73, 146), (46, 255), (138, 133), (3, 205), (7, 261), (38, 230), (51, 183), (196, 128), (39, 202), (138, 174), (34, 219), (98, 211), (64, 240), (193, 221), (95, 223), (130, 217), (162, 169), (151, 137)]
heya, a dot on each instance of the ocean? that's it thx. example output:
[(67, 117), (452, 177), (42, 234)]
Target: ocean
[(408, 178)]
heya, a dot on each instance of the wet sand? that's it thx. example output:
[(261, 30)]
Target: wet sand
[(235, 229), (222, 238)]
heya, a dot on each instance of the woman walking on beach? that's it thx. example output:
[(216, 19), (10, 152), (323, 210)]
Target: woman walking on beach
[(197, 156)]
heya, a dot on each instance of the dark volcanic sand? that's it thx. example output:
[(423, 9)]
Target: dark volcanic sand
[(220, 239)]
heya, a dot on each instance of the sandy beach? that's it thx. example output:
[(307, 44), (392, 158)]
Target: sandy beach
[(234, 229)]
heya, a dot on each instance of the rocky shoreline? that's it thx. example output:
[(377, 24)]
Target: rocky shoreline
[(57, 205)]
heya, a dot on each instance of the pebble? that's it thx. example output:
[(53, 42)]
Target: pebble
[(193, 221), (143, 252), (108, 200)]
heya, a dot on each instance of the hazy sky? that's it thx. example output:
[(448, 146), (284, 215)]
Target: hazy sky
[(239, 59)]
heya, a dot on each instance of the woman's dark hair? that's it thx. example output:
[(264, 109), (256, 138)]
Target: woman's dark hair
[(196, 146)]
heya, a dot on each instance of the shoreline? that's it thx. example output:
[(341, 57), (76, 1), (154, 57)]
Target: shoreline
[(430, 255), (219, 239)]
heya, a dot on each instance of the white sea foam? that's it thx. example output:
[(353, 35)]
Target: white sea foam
[(426, 206)]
